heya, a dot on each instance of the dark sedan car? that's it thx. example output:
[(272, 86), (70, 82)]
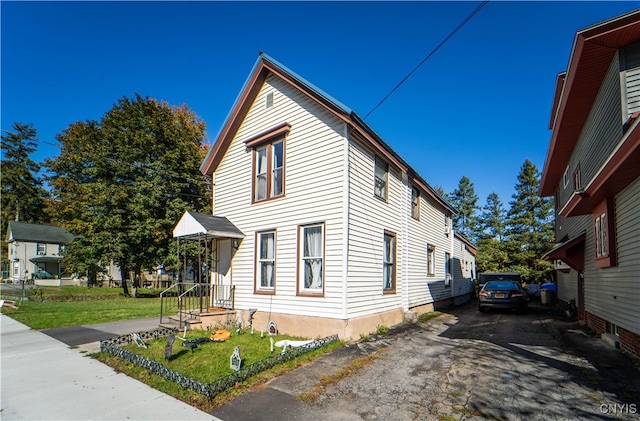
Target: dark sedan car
[(502, 294)]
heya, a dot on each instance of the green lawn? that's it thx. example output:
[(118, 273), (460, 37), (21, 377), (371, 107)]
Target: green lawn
[(99, 309), (209, 362), (74, 306)]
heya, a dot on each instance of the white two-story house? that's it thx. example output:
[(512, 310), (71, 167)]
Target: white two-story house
[(593, 170), (36, 253), (328, 230)]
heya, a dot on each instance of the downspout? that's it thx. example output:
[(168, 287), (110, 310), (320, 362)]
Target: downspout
[(452, 257), (346, 185)]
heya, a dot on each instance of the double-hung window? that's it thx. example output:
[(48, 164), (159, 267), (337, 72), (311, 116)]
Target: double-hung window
[(266, 261), (389, 263), (604, 234), (269, 170), (311, 265), (600, 223), (577, 182), (41, 249), (381, 179), (448, 269), (415, 203), (431, 259), (269, 162)]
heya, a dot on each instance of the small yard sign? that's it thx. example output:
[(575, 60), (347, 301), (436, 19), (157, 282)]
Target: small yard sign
[(236, 361)]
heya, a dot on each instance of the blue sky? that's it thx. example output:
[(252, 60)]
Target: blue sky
[(478, 107)]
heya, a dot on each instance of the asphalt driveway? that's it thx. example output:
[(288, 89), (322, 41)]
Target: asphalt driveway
[(463, 365)]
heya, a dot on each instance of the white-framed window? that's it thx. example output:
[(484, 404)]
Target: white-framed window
[(565, 177), (601, 235), (389, 263), (16, 269), (41, 249), (266, 261), (311, 265), (431, 260), (448, 269), (415, 203), (381, 179), (604, 234)]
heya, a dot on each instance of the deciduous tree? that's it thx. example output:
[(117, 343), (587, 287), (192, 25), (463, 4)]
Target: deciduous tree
[(124, 181)]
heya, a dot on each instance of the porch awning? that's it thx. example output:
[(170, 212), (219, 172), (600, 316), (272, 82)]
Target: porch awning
[(46, 259), (571, 252), (194, 225)]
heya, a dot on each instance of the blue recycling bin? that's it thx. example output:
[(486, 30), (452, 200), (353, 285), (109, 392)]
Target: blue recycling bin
[(548, 293)]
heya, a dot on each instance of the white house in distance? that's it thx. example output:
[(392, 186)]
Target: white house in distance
[(333, 232), (35, 252)]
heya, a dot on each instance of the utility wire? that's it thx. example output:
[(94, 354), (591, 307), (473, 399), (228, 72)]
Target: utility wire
[(463, 23)]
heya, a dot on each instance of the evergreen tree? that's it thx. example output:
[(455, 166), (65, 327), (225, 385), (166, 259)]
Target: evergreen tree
[(530, 226), (492, 256), (123, 182), (23, 197), (492, 218), (465, 200)]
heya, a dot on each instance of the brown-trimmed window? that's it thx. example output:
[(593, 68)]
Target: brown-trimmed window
[(604, 234), (269, 162), (269, 170), (389, 263), (266, 261), (381, 179), (311, 264), (415, 203)]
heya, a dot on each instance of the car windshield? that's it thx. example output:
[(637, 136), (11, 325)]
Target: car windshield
[(501, 286)]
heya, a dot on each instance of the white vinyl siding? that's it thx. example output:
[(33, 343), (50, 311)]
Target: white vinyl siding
[(314, 193), (369, 217), (425, 287)]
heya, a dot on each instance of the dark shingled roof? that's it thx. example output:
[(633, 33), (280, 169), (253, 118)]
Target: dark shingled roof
[(217, 224), (37, 233)]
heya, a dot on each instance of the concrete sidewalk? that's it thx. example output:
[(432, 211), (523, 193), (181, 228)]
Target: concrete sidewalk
[(44, 379)]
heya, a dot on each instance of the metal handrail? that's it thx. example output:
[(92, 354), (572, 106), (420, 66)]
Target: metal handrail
[(195, 298)]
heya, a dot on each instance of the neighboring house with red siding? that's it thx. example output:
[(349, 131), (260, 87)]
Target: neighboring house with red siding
[(592, 168), (324, 228)]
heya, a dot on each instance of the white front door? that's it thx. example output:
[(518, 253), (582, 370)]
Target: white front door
[(223, 276)]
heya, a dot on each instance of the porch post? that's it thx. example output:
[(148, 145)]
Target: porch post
[(178, 257)]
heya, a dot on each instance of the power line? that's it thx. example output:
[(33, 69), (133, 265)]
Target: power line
[(463, 23)]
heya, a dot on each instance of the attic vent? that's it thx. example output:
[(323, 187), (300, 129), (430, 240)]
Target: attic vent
[(269, 100)]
